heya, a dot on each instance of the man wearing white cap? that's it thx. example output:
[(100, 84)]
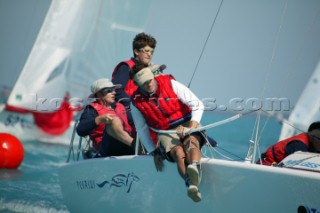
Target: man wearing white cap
[(162, 103), (106, 121)]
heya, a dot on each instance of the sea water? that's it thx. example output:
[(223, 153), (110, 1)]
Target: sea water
[(34, 187)]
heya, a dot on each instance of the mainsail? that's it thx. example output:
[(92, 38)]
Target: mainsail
[(307, 109), (79, 42)]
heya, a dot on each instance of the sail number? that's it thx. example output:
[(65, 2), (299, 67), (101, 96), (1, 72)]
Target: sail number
[(13, 120)]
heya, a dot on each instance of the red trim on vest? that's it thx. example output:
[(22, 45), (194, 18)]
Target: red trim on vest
[(120, 111), (130, 87), (163, 107), (279, 149)]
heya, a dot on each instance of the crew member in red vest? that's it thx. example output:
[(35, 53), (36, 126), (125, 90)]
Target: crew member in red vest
[(105, 121), (305, 142), (162, 103), (143, 46)]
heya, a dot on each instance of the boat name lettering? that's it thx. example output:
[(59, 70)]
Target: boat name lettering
[(13, 120), (305, 164), (86, 184), (120, 180)]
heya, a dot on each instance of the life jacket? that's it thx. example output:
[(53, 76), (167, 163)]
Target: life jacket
[(161, 110), (277, 152), (119, 110), (130, 87)]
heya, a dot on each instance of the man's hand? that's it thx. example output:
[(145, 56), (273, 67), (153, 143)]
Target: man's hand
[(193, 124), (106, 118), (182, 131)]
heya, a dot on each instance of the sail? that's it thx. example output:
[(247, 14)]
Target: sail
[(307, 109), (79, 42)]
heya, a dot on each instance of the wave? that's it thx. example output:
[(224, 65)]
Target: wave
[(25, 207)]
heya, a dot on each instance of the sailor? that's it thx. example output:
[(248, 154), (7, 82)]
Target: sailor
[(163, 103), (105, 121), (143, 46), (305, 142)]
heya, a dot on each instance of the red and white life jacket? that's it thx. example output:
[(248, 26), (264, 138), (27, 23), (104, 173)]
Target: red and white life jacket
[(163, 108), (119, 110), (130, 87), (277, 152)]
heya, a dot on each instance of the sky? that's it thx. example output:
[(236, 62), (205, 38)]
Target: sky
[(257, 49)]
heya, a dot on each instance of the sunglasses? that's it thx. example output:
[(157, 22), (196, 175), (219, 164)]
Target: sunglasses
[(107, 90), (150, 52)]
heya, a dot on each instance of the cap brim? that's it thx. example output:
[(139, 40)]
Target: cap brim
[(117, 86), (143, 76)]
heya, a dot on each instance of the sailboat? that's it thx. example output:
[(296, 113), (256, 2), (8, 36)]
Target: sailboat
[(132, 184), (55, 81)]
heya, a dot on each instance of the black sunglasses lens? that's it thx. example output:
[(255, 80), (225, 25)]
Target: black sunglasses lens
[(106, 91)]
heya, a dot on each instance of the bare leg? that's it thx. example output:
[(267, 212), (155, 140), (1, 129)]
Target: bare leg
[(191, 147), (178, 155)]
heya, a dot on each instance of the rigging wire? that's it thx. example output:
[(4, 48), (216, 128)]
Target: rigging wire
[(258, 141), (251, 154), (205, 43), (282, 120), (301, 48), (294, 65), (230, 153), (274, 48)]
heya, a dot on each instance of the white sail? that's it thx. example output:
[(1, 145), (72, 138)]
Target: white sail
[(307, 109), (79, 42)]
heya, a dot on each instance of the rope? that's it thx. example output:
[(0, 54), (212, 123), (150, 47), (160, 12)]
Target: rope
[(200, 128), (205, 43), (230, 153)]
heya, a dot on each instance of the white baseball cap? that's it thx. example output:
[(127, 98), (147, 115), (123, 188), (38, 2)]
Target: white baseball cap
[(102, 83)]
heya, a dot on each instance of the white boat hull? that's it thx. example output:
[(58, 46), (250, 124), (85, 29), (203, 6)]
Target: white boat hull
[(23, 127), (132, 184)]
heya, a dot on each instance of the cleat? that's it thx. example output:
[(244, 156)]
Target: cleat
[(194, 193)]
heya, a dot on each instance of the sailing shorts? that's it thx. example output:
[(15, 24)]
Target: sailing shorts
[(168, 141)]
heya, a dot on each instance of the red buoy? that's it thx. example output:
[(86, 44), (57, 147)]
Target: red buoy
[(11, 151)]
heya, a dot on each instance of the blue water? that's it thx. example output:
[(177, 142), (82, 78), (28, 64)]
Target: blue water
[(34, 187)]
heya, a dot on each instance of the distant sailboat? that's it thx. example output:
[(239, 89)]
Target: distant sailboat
[(78, 43)]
